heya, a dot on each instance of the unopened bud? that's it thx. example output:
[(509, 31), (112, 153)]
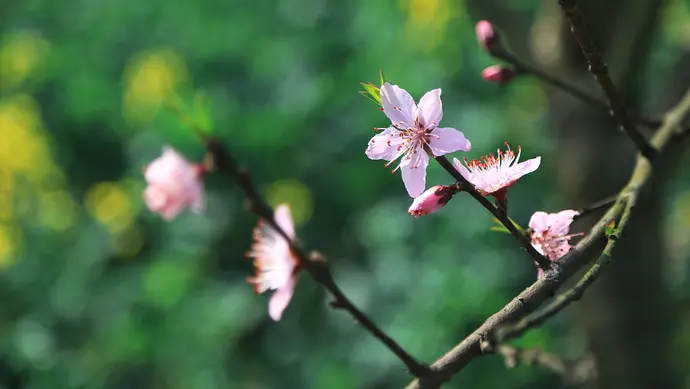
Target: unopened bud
[(431, 201), (498, 74), (486, 35)]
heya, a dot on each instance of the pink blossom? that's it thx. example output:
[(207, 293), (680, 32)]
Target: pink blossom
[(549, 234), (431, 201), (486, 35), (413, 132), (498, 74), (493, 176), (276, 265), (173, 185)]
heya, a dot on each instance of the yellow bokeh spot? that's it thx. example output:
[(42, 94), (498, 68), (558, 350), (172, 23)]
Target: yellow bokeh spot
[(129, 242), (149, 80), (10, 241), (296, 195), (110, 205), (23, 147), (20, 54), (58, 210), (427, 21)]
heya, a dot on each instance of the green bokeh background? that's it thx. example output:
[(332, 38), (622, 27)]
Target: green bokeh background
[(98, 292)]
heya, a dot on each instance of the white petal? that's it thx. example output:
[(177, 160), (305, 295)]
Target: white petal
[(430, 110), (283, 218), (523, 168), (462, 169), (414, 172), (384, 145), (447, 140), (280, 299), (398, 105)]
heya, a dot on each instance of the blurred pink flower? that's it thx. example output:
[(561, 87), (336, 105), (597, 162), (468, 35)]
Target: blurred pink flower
[(173, 185), (431, 201), (486, 35), (276, 265), (413, 131), (498, 74), (493, 176), (549, 234)]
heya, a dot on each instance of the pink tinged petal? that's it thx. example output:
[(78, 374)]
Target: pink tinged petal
[(446, 140), (430, 109), (398, 105), (283, 218), (561, 221), (540, 273), (384, 145), (280, 299), (413, 168), (523, 168), (462, 169), (539, 222)]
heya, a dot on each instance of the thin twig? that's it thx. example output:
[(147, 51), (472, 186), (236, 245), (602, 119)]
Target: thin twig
[(572, 372), (596, 206), (541, 260), (599, 70), (527, 301), (522, 67), (313, 263)]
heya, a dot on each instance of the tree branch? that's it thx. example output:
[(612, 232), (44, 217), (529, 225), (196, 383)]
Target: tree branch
[(600, 72), (529, 299), (524, 68), (313, 263), (541, 260)]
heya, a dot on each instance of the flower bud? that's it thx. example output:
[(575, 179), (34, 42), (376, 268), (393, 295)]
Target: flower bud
[(487, 36), (498, 74), (431, 201)]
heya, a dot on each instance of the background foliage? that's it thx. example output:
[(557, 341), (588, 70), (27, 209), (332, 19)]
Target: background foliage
[(97, 292)]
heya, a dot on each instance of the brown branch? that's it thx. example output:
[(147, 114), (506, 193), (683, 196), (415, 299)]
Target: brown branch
[(529, 299), (315, 265), (596, 206), (599, 70), (541, 260), (522, 67)]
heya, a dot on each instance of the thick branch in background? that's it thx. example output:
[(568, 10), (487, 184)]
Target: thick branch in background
[(531, 298), (631, 356)]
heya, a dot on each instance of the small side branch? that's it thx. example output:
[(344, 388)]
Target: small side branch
[(313, 263), (600, 72)]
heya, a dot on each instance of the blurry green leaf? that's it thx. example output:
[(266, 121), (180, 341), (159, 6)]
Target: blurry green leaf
[(501, 228), (383, 78)]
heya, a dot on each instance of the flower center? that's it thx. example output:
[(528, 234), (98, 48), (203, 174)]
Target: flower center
[(490, 163)]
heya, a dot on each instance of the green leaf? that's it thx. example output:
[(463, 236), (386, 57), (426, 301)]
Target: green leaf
[(501, 228), (383, 78), (610, 229), (372, 92)]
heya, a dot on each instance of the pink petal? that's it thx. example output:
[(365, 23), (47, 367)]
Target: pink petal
[(398, 105), (560, 222), (461, 168), (523, 168), (384, 145), (539, 222), (283, 218), (430, 109), (280, 299), (447, 140), (414, 172)]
